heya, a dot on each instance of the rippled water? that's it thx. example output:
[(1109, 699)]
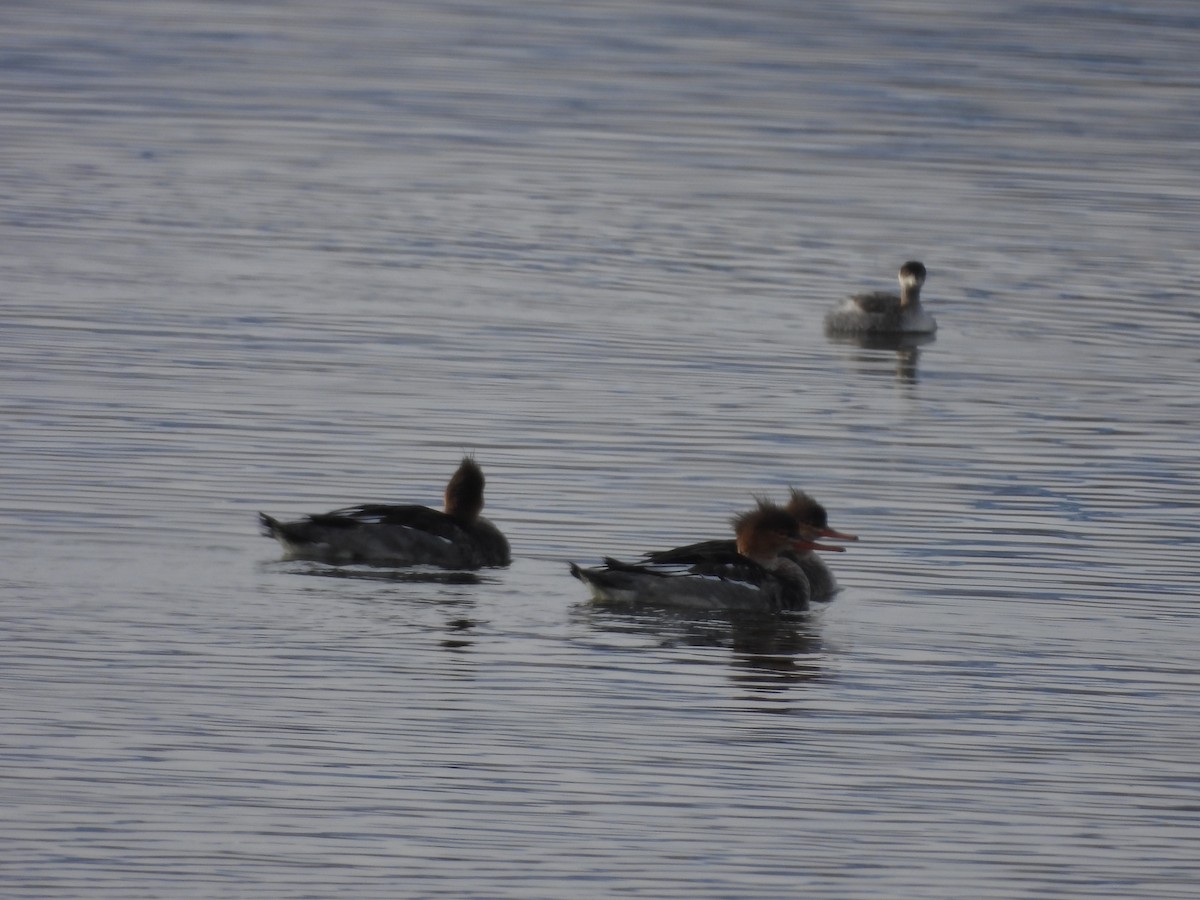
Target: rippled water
[(293, 256)]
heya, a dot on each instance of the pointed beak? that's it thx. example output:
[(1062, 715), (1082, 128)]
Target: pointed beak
[(836, 535)]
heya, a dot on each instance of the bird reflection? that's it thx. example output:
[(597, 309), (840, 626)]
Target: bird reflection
[(459, 630), (372, 573), (770, 655), (767, 652), (905, 347)]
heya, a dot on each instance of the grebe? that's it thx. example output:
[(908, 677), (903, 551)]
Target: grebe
[(814, 523), (754, 576), (379, 534), (882, 313)]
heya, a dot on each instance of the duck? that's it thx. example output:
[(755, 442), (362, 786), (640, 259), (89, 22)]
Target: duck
[(456, 537), (814, 517), (879, 312), (814, 522), (753, 575)]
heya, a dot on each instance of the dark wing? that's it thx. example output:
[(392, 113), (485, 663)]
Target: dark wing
[(735, 568), (703, 553), (716, 559), (615, 565), (878, 302), (422, 518)]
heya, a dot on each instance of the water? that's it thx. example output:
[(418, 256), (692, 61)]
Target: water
[(293, 256)]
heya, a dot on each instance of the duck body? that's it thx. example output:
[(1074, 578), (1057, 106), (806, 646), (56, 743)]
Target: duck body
[(746, 574), (377, 534), (736, 585), (879, 312), (401, 535), (812, 518), (822, 584)]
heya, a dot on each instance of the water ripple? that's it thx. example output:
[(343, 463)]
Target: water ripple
[(293, 260)]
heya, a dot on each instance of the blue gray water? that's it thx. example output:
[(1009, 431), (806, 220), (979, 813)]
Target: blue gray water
[(290, 256)]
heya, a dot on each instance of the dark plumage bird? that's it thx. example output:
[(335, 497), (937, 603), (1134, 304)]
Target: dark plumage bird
[(814, 523), (751, 572), (879, 312), (458, 537)]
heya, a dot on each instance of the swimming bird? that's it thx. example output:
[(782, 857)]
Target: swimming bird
[(814, 523), (754, 576), (813, 516), (879, 312), (381, 534)]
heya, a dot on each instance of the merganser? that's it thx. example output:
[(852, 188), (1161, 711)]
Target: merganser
[(814, 523), (384, 535), (879, 312), (812, 515), (755, 576)]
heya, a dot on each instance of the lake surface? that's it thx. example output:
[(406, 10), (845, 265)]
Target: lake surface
[(291, 256)]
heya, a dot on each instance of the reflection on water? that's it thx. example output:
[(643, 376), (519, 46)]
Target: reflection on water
[(460, 629), (766, 652), (415, 575), (776, 655), (264, 255), (905, 346)]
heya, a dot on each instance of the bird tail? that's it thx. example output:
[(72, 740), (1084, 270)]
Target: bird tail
[(270, 527)]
